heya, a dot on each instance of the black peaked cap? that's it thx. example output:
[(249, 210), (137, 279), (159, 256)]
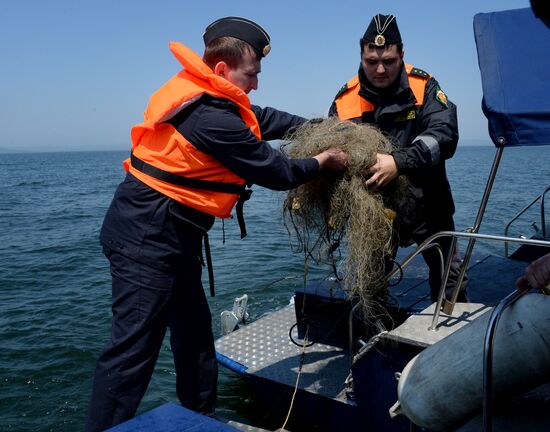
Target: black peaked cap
[(240, 28)]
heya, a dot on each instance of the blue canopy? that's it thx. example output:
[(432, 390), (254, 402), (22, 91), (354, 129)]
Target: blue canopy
[(513, 49)]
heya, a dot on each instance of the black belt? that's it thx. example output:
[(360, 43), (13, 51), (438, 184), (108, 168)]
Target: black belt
[(193, 183)]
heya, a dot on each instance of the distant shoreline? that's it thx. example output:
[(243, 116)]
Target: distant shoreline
[(463, 143), (39, 151)]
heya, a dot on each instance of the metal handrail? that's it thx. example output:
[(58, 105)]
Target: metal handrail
[(479, 218), (428, 244), (527, 207)]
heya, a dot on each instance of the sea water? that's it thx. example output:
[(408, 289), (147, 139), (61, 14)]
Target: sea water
[(55, 282)]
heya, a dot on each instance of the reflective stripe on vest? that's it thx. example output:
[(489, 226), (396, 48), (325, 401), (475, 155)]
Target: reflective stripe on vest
[(350, 104), (159, 145)]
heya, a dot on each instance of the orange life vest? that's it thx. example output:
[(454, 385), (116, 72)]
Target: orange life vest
[(159, 147), (350, 105)]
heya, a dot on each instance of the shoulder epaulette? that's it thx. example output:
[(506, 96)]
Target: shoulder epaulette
[(419, 72), (341, 91)]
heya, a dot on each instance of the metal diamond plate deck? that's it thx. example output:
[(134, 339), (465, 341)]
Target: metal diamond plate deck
[(266, 350)]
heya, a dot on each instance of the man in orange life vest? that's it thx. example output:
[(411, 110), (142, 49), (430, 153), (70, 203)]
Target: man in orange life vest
[(200, 144), (409, 106)]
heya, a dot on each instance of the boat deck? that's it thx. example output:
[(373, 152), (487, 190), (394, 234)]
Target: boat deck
[(171, 417), (263, 348), (490, 279)]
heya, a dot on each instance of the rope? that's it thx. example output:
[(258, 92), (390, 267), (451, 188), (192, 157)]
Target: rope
[(302, 359)]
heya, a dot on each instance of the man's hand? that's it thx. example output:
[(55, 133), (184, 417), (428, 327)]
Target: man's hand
[(382, 172), (333, 158), (537, 274)]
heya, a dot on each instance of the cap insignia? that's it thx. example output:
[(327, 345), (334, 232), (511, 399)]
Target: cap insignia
[(379, 40)]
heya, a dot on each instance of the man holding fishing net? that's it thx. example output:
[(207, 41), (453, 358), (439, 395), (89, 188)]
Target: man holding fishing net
[(407, 105), (200, 144)]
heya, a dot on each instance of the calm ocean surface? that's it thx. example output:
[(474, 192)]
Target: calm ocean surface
[(55, 282)]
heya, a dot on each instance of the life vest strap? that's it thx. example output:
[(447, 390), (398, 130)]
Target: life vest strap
[(243, 197), (193, 183), (189, 182), (209, 265)]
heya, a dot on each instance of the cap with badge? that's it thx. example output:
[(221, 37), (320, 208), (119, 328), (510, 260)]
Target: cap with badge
[(382, 31), (239, 28)]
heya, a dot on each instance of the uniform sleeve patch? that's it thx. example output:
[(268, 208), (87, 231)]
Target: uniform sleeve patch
[(441, 97)]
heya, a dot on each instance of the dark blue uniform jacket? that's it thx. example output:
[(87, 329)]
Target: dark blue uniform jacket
[(143, 224)]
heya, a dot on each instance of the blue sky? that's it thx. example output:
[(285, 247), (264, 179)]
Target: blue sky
[(76, 75)]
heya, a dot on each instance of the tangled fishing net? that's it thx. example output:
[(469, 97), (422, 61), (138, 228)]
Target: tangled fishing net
[(337, 211)]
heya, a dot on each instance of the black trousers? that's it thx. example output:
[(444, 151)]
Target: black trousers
[(147, 301), (433, 260)]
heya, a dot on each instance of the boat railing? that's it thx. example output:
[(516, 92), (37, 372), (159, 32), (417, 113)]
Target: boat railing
[(442, 303), (540, 198)]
